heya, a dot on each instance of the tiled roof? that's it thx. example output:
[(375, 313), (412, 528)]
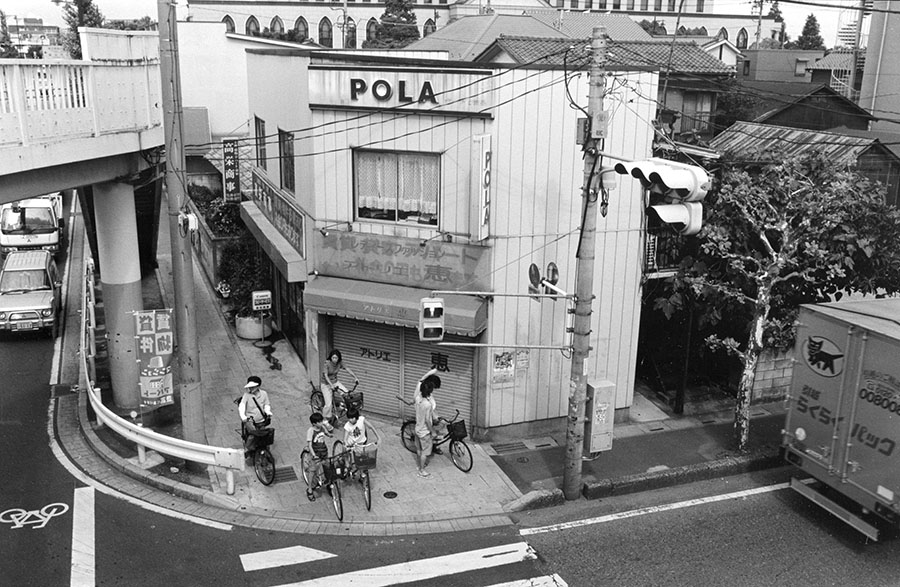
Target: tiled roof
[(581, 26), (773, 97), (835, 60), (756, 141), (466, 37), (686, 57)]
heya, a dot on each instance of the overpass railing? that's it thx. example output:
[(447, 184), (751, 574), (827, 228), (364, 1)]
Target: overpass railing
[(228, 458), (43, 101)]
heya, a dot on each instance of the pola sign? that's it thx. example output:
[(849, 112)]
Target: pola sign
[(402, 91)]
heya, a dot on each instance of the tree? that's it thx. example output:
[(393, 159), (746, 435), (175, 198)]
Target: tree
[(809, 39), (78, 13), (780, 233), (135, 24), (775, 12), (735, 103), (397, 27), (654, 27), (7, 50)]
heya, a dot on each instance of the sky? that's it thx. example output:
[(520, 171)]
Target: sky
[(827, 12)]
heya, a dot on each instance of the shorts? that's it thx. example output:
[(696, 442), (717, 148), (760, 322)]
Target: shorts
[(425, 444)]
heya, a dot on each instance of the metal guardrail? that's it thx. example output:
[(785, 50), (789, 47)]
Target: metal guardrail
[(228, 458)]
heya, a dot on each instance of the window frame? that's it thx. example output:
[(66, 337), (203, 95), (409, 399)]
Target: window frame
[(434, 222), (286, 160), (259, 129)]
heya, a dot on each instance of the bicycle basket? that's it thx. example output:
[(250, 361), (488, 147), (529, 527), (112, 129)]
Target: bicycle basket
[(366, 457), (457, 430), (264, 437), (355, 400)]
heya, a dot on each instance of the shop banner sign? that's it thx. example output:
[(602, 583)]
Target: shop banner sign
[(155, 342), (232, 178)]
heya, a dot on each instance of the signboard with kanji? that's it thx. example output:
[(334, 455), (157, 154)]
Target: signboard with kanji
[(231, 180), (154, 341)]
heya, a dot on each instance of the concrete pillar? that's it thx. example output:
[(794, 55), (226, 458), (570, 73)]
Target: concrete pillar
[(120, 276)]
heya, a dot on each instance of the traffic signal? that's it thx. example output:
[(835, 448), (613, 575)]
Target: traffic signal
[(675, 189), (431, 319)]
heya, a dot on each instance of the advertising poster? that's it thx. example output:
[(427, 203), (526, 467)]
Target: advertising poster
[(154, 343)]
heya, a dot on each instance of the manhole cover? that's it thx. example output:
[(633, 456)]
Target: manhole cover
[(522, 460), (390, 494)]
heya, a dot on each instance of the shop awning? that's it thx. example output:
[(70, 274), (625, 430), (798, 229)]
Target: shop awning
[(391, 304), (283, 255)]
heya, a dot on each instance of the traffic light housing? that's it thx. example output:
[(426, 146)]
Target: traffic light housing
[(431, 319), (675, 189)]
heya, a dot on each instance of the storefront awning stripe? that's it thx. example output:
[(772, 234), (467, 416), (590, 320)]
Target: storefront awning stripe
[(391, 304)]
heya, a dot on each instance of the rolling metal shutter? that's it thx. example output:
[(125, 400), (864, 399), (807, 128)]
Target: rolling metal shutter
[(373, 352), (456, 382)]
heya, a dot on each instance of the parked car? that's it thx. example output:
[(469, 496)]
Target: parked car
[(30, 292)]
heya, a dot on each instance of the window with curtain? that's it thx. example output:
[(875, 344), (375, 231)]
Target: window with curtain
[(742, 39), (428, 28), (325, 38), (286, 159), (302, 28), (229, 24), (260, 129), (696, 112), (397, 187), (252, 27), (276, 26)]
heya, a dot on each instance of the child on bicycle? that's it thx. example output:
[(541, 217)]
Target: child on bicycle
[(355, 433), (334, 364), (315, 442)]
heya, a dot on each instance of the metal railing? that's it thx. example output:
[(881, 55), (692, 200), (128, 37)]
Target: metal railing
[(228, 458)]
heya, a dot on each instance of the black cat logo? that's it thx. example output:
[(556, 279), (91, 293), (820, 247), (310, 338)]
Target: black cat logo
[(823, 356)]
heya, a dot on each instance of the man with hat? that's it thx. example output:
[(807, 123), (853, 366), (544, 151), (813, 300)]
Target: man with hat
[(254, 410)]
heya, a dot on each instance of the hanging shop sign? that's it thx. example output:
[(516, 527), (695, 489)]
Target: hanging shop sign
[(231, 171), (286, 217), (155, 342)]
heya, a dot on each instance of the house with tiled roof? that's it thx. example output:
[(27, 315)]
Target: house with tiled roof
[(751, 141), (835, 71), (580, 25), (689, 78)]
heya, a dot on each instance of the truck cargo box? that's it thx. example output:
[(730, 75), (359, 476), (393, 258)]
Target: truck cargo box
[(843, 419)]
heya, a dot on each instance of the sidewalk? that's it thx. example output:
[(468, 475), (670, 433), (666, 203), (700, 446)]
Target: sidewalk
[(655, 449)]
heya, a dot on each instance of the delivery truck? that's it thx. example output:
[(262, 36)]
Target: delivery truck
[(842, 428), (32, 224)]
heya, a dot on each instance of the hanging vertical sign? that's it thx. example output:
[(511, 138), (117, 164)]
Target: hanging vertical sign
[(481, 186), (155, 342), (231, 178)]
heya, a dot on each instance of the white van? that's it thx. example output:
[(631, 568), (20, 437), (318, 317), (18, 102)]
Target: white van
[(32, 224)]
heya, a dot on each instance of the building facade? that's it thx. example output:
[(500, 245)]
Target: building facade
[(396, 178)]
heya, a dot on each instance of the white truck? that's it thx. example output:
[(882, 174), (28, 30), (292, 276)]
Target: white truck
[(32, 224), (844, 409)]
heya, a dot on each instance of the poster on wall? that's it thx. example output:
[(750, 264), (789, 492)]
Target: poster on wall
[(504, 367), (155, 342)]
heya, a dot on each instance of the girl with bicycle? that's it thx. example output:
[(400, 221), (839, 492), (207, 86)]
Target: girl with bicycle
[(316, 437), (356, 433), (334, 364)]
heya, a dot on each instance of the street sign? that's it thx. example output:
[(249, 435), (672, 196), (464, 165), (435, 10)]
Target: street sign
[(262, 300)]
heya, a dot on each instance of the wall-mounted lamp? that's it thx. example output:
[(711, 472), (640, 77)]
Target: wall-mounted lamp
[(324, 229), (445, 235)]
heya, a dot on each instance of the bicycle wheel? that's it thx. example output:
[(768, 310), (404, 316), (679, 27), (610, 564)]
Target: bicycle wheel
[(343, 462), (305, 464), (335, 489), (367, 488), (317, 401), (408, 435), (461, 455), (264, 463)]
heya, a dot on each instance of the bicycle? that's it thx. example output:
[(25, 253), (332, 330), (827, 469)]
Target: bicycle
[(357, 461), (459, 451), (263, 461), (329, 477), (352, 399)]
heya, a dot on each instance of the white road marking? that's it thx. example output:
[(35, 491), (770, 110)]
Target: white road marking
[(553, 580), (430, 568), (292, 555), (83, 567), (653, 509), (79, 474)]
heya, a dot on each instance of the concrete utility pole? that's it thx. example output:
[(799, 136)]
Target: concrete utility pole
[(584, 267), (759, 25), (187, 353)]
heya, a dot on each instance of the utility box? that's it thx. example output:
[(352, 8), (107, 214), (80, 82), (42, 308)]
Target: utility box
[(844, 410), (599, 411)]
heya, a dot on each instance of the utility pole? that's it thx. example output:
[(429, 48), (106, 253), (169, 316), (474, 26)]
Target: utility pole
[(759, 25), (187, 353), (584, 267)]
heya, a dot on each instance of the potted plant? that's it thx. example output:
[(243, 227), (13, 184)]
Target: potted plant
[(243, 273)]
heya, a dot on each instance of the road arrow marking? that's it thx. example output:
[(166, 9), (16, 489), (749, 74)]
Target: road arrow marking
[(293, 555), (83, 571), (429, 568)]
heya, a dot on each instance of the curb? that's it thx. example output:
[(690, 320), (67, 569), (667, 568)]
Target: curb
[(539, 498), (767, 458)]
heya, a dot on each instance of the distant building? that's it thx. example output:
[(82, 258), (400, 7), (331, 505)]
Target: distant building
[(777, 65), (25, 33)]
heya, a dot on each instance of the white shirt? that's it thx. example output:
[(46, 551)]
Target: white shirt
[(357, 432)]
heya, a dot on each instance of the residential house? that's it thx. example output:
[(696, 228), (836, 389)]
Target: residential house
[(756, 141), (803, 105), (835, 70), (777, 65)]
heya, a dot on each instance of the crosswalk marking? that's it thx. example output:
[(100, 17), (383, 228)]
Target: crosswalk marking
[(83, 561), (553, 580), (292, 555), (429, 568)]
